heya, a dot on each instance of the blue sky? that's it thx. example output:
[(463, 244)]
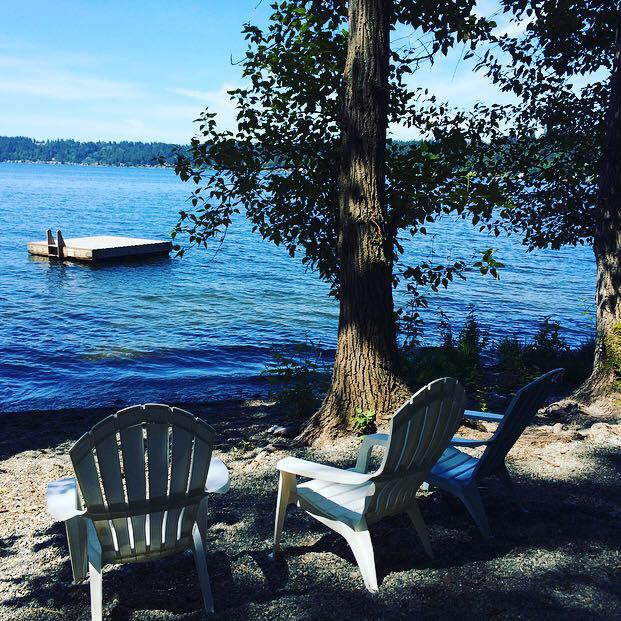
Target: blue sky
[(136, 70)]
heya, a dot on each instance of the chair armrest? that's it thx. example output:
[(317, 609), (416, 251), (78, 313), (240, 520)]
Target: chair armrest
[(488, 417), (62, 499), (217, 477), (366, 446), (312, 470), (471, 443)]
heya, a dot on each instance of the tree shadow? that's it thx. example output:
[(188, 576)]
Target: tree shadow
[(58, 429), (543, 564)]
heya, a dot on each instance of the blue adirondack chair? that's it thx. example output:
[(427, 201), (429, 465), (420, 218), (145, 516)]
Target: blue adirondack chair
[(458, 473)]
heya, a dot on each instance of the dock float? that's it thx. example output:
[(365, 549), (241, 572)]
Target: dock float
[(97, 248)]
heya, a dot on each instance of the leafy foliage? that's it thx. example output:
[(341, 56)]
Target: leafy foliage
[(299, 378), (364, 422), (522, 361), (546, 157), (485, 366), (279, 167), (459, 358)]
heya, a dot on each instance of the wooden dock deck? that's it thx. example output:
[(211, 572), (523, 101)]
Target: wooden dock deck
[(98, 248)]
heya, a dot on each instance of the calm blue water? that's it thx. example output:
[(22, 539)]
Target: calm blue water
[(202, 327)]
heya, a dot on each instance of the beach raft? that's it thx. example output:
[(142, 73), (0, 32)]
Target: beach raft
[(97, 248)]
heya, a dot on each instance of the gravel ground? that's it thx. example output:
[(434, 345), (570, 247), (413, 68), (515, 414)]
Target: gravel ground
[(562, 560)]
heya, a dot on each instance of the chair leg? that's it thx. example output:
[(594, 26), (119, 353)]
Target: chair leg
[(94, 573), (200, 560), (286, 494), (471, 497), (360, 543), (421, 528), (362, 547), (505, 478), (76, 538)]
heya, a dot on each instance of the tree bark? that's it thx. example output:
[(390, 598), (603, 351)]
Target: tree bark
[(366, 369), (606, 375)]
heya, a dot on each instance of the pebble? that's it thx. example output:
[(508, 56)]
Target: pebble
[(286, 431), (558, 428)]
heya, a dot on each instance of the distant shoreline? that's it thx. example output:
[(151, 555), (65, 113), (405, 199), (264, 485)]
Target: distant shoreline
[(65, 151), (91, 164)]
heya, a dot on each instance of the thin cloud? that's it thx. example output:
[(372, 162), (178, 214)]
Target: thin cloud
[(41, 78), (514, 29), (204, 96), (217, 101)]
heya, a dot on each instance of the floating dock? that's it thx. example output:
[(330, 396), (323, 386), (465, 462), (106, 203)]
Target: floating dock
[(98, 248)]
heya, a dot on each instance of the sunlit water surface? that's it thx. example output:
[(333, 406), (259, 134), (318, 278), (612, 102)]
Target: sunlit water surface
[(204, 326)]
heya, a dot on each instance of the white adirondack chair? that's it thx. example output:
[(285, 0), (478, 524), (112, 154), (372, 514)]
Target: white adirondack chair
[(349, 500), (143, 475), (459, 473)]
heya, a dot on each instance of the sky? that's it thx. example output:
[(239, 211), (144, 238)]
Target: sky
[(143, 70)]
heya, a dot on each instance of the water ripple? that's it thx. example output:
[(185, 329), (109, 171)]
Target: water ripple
[(202, 327)]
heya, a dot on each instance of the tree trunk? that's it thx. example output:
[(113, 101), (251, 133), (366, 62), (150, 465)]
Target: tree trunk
[(365, 373), (607, 245)]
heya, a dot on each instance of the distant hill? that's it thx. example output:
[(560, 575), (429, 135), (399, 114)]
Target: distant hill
[(124, 153)]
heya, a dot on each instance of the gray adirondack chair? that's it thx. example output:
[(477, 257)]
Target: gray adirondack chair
[(347, 501), (143, 475), (459, 473)]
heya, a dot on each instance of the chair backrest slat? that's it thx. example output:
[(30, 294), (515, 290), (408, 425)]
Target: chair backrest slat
[(142, 474), (132, 433), (158, 463), (107, 450), (520, 413), (83, 459), (419, 432), (85, 468), (201, 456), (181, 456)]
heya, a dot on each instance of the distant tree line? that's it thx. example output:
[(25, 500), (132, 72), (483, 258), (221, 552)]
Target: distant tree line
[(124, 153)]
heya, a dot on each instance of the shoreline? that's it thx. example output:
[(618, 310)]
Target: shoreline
[(88, 164), (567, 476), (19, 429)]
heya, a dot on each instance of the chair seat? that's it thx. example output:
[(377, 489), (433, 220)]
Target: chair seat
[(335, 501), (453, 465)]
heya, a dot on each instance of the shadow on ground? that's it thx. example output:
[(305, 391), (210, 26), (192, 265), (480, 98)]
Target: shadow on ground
[(559, 561)]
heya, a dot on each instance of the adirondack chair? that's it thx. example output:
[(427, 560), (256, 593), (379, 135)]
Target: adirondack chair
[(347, 501), (459, 473), (143, 475)]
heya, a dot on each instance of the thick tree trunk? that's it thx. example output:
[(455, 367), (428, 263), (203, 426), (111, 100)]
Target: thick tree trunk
[(607, 245), (365, 371)]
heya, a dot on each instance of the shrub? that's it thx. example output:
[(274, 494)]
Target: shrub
[(512, 360), (459, 358), (364, 422), (514, 363), (299, 378), (548, 340), (472, 339)]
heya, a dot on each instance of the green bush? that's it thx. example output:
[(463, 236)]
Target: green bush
[(364, 422), (459, 358), (471, 343), (548, 344), (513, 362), (472, 339), (299, 378)]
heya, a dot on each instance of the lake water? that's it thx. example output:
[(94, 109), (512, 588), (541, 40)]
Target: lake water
[(203, 326)]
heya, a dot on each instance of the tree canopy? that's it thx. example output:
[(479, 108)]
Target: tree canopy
[(547, 153), (123, 153), (279, 167)]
